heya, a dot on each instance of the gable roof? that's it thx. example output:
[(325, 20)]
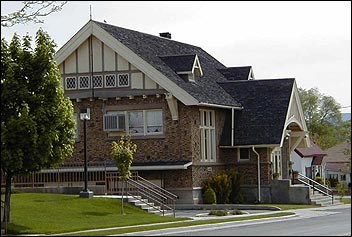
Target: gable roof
[(265, 105), (336, 153), (314, 150), (236, 73), (151, 48)]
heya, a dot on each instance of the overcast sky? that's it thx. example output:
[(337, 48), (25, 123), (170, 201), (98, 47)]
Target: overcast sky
[(309, 41)]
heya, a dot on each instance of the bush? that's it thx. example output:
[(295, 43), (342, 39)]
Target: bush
[(340, 189), (209, 196), (218, 212), (226, 185), (236, 212), (319, 180), (236, 181)]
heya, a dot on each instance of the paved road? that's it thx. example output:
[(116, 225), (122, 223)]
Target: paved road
[(328, 221)]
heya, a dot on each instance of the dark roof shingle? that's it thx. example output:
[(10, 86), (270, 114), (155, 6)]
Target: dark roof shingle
[(265, 105), (151, 48), (236, 73)]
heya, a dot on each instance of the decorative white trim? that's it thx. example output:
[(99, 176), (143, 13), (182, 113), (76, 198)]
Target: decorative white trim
[(197, 63), (129, 55), (162, 167), (110, 86), (71, 77), (299, 121), (172, 103)]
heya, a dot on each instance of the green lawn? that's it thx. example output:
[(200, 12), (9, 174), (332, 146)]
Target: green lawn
[(346, 200), (284, 207), (56, 213), (35, 213)]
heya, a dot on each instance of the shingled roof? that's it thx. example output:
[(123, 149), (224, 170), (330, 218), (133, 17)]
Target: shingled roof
[(152, 48), (180, 63), (236, 73), (263, 118)]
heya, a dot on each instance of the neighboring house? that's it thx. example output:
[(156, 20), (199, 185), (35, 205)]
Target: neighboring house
[(308, 161), (189, 115), (337, 164)]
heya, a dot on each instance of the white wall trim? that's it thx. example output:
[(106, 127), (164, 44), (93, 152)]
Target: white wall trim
[(129, 55)]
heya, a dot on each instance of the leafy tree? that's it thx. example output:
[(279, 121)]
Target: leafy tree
[(31, 11), (323, 117), (37, 126), (122, 153)]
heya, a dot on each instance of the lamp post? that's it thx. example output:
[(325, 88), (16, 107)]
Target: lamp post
[(85, 115)]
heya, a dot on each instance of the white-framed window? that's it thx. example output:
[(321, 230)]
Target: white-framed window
[(70, 83), (84, 82), (97, 81), (154, 121), (114, 121), (123, 80), (135, 122), (207, 136), (244, 154), (110, 80)]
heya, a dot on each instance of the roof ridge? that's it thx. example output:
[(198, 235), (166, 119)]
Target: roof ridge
[(158, 37), (255, 80)]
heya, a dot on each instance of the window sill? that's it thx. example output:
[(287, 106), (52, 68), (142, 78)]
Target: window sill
[(137, 137)]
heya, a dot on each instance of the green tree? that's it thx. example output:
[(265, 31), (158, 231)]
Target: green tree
[(323, 117), (37, 125), (122, 153), (31, 11)]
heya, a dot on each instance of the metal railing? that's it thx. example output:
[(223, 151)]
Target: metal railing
[(142, 190), (315, 186)]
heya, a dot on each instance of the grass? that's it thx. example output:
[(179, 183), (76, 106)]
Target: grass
[(346, 200), (285, 207), (34, 213), (180, 224)]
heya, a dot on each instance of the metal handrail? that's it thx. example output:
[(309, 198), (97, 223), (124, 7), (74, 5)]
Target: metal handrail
[(156, 187), (144, 191), (315, 186)]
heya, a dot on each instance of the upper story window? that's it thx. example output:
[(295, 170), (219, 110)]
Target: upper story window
[(70, 83), (123, 80), (207, 135), (97, 81), (244, 154), (84, 82), (135, 122), (110, 80)]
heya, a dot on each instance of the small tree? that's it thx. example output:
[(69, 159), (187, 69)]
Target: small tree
[(122, 153)]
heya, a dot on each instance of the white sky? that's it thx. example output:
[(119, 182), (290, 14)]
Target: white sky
[(309, 41)]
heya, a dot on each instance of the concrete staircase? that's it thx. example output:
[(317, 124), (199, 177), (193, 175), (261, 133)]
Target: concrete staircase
[(150, 207), (323, 200)]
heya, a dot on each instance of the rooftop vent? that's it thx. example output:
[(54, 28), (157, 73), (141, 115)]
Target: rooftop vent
[(165, 35)]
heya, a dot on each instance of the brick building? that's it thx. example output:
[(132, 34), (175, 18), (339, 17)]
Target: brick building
[(189, 115)]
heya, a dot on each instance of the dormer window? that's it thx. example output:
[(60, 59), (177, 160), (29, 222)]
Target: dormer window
[(186, 66)]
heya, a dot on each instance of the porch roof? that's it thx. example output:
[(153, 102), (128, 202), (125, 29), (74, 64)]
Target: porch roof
[(161, 165)]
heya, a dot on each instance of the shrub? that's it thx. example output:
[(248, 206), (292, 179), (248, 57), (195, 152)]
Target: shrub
[(209, 196), (218, 212), (340, 189), (319, 180), (236, 212), (226, 185), (236, 181)]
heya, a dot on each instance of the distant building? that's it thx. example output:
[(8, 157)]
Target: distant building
[(337, 165)]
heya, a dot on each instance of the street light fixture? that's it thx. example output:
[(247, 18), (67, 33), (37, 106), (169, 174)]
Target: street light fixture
[(85, 115)]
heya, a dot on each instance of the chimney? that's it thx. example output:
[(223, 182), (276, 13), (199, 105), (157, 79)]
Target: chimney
[(165, 35)]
